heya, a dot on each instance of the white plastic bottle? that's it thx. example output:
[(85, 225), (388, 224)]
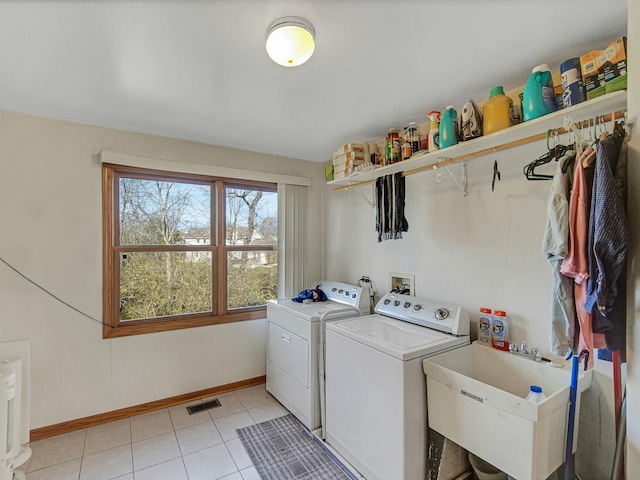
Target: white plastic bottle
[(434, 132), (484, 327), (535, 394)]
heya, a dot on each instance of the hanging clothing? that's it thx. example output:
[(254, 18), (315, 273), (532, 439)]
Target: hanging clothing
[(390, 219), (574, 264), (555, 247), (608, 242)]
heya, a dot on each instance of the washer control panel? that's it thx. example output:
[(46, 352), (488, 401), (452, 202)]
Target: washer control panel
[(422, 311)]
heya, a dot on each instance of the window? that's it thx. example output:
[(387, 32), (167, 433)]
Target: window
[(185, 250)]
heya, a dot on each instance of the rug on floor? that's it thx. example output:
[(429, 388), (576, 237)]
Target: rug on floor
[(282, 449)]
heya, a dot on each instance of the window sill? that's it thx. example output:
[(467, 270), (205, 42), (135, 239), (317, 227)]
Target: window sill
[(141, 327)]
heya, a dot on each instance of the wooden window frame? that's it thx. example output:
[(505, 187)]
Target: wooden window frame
[(112, 326)]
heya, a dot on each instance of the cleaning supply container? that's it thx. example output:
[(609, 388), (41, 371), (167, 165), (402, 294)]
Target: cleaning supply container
[(449, 133), (535, 394), (484, 327), (497, 111), (573, 91), (538, 96), (434, 132), (500, 330)]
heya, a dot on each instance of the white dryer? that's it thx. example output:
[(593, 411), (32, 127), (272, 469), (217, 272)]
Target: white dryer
[(376, 401), (295, 346)]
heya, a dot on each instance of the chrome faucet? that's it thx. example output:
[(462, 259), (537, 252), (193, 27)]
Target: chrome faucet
[(533, 354)]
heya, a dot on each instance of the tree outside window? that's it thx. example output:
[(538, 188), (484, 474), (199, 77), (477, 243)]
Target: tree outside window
[(184, 251)]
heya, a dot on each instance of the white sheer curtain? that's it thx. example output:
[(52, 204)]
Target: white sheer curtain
[(292, 239)]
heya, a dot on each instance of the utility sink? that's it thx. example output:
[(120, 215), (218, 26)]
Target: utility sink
[(476, 397)]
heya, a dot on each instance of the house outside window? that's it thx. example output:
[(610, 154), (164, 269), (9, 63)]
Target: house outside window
[(185, 250)]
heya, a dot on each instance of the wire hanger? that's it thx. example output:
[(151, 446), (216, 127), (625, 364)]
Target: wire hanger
[(553, 153)]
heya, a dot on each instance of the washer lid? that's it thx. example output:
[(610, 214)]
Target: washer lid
[(314, 310), (399, 339)]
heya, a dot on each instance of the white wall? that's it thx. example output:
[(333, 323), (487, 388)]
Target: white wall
[(633, 291), (476, 251), (50, 197)]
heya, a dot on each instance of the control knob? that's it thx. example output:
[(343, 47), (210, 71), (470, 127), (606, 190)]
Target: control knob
[(441, 313), (396, 303), (407, 304)]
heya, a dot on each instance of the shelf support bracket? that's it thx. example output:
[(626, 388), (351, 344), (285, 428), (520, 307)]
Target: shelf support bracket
[(459, 179), (364, 196)]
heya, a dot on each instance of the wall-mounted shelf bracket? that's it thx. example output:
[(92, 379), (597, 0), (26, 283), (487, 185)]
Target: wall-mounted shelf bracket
[(459, 179), (371, 204)]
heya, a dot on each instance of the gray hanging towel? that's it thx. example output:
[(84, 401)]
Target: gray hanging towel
[(390, 219)]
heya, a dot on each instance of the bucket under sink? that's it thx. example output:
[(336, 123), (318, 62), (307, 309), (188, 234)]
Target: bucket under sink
[(476, 397)]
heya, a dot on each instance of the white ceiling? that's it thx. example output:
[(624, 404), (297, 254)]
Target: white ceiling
[(198, 70)]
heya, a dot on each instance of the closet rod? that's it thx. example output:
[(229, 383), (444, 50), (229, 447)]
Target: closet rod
[(516, 143)]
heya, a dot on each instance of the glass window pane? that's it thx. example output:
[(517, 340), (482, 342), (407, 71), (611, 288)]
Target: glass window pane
[(159, 284), (252, 217), (155, 212), (252, 278)]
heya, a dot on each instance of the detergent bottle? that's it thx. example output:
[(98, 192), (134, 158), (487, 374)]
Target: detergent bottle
[(449, 133), (538, 97), (496, 112), (500, 330), (434, 131), (484, 327)]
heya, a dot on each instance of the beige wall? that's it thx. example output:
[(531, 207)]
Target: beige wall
[(476, 251), (50, 197)]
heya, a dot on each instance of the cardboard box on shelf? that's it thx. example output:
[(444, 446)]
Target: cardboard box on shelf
[(350, 147), (349, 157), (602, 67)]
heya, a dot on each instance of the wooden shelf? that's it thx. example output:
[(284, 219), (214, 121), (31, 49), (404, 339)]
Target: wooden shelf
[(510, 137)]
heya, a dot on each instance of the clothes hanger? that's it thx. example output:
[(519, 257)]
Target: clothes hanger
[(553, 153), (589, 159)]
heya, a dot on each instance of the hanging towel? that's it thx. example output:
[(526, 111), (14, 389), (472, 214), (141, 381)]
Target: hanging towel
[(390, 219)]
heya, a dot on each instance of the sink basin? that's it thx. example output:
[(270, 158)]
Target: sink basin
[(476, 397)]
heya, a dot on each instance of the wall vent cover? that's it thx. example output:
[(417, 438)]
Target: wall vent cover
[(204, 406)]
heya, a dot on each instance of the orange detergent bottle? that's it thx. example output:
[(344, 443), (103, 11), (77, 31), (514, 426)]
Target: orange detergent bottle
[(496, 112)]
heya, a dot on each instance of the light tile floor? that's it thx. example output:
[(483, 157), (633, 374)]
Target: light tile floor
[(168, 444)]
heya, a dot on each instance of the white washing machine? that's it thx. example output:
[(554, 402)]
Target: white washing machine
[(376, 401), (295, 346)]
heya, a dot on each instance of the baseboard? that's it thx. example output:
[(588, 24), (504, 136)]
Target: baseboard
[(99, 419)]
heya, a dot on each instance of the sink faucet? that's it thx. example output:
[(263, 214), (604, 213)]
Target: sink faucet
[(533, 354)]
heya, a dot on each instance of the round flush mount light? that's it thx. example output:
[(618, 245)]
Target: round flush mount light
[(290, 41)]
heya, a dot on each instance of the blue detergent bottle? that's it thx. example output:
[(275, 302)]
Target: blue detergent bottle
[(449, 133), (538, 98)]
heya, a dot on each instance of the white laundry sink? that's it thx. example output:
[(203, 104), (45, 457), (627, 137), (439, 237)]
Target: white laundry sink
[(477, 398)]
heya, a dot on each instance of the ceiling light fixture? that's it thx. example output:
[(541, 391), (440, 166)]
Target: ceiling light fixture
[(290, 41)]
